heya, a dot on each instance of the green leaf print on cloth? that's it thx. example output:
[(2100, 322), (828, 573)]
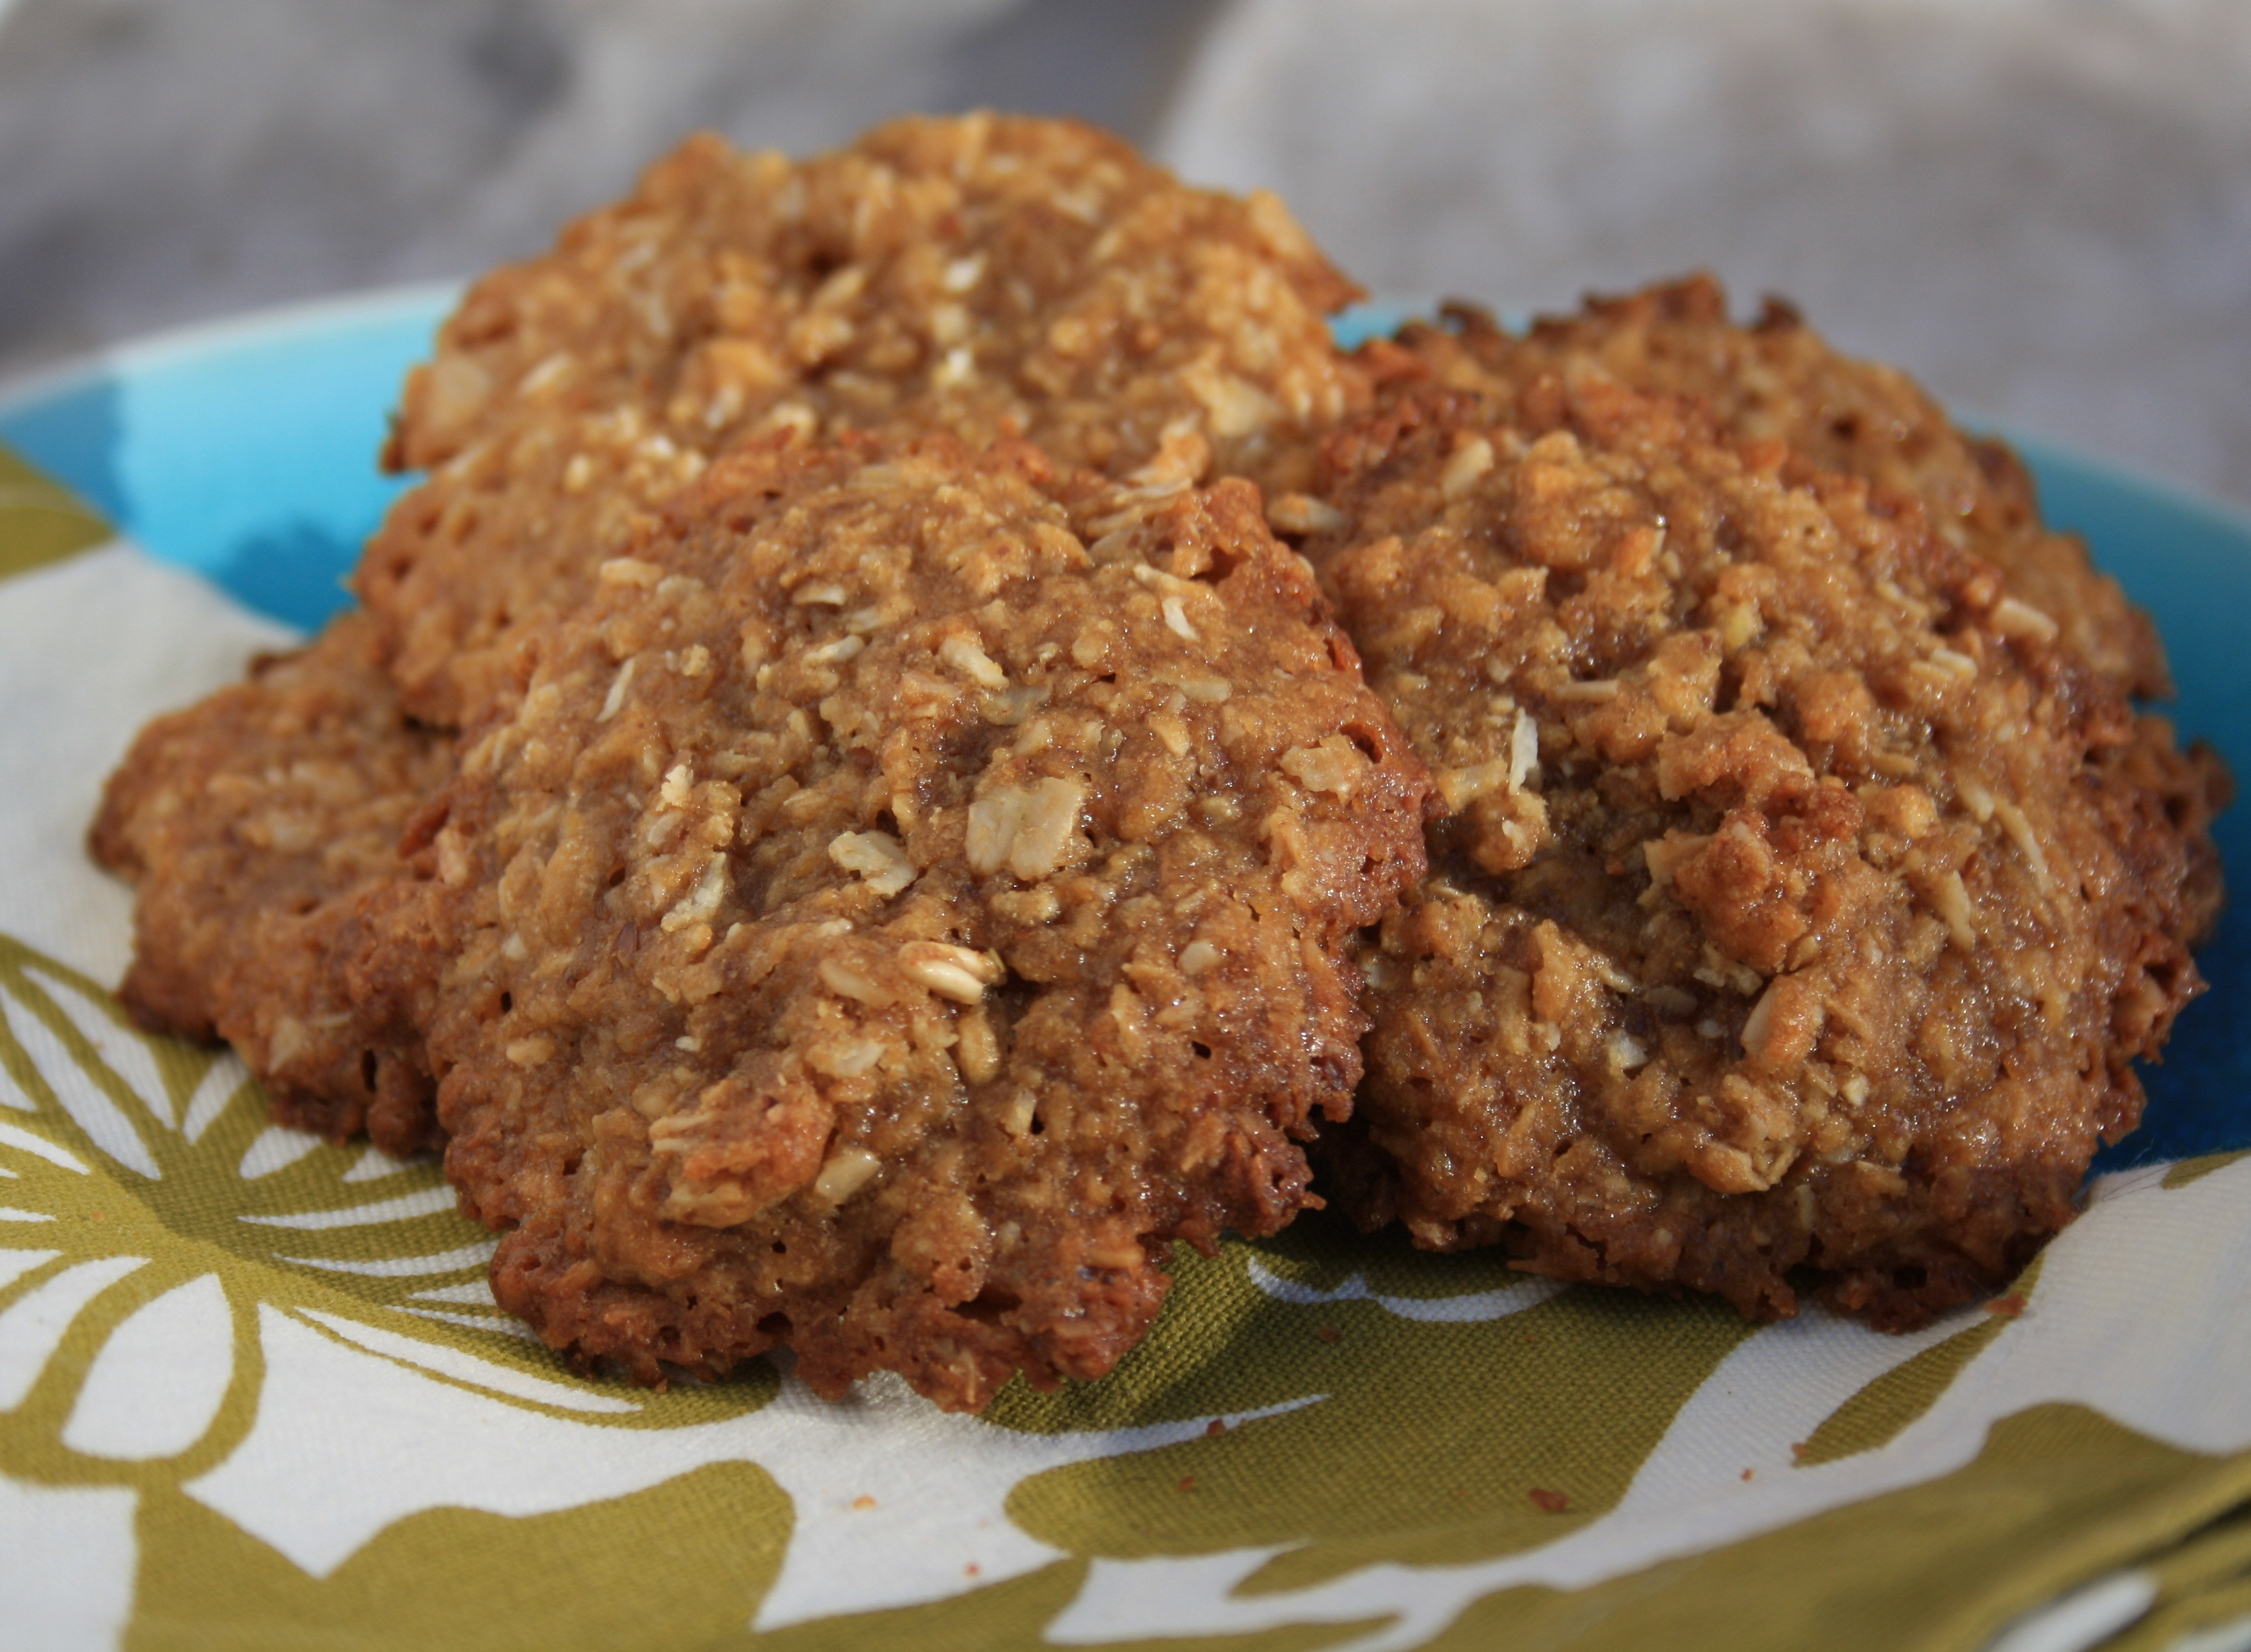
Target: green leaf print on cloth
[(2053, 1496), (41, 521), (282, 1353), (1480, 1423), (242, 1324), (165, 1215)]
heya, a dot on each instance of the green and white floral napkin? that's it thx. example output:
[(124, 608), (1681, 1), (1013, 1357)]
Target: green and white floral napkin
[(254, 1394)]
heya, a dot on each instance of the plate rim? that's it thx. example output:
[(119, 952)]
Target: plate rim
[(174, 346)]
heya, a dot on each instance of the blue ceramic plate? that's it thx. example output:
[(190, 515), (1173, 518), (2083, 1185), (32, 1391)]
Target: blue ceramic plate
[(245, 451)]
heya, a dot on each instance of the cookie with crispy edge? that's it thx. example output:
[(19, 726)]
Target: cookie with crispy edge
[(908, 899), (1790, 907), (252, 823)]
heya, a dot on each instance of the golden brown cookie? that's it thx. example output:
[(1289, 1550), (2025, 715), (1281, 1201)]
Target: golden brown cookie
[(911, 896), (1778, 379), (987, 275), (254, 824), (1791, 906)]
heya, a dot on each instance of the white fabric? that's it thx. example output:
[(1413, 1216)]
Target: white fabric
[(91, 648)]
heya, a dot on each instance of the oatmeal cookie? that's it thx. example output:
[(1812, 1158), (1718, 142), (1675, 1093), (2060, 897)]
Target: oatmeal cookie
[(911, 895), (259, 824), (1789, 908), (987, 275), (1777, 378), (255, 824)]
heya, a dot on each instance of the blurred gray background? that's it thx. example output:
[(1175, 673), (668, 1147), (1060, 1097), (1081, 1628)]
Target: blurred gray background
[(2042, 208)]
